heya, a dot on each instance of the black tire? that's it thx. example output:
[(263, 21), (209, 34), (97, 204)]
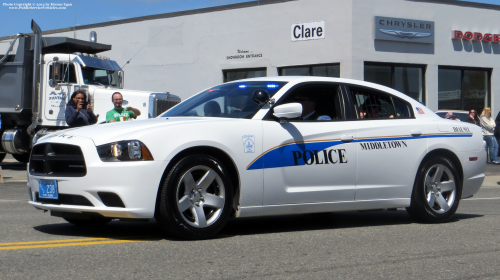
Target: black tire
[(92, 222), (437, 191), (24, 158), (2, 156), (192, 209)]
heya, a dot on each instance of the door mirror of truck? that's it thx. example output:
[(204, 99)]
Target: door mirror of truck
[(121, 79), (55, 72)]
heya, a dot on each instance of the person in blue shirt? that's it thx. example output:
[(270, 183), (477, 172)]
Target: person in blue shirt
[(78, 110)]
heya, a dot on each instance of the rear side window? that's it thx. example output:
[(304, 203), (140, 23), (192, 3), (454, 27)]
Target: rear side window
[(403, 108), (370, 105)]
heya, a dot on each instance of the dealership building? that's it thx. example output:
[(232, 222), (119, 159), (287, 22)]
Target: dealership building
[(443, 53)]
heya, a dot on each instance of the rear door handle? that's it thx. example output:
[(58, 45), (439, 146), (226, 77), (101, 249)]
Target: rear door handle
[(416, 132), (347, 138)]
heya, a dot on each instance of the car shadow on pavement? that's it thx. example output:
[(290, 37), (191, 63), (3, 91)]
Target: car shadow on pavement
[(322, 221), (151, 231), (140, 231)]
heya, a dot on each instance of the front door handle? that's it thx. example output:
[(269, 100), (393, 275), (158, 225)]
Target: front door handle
[(347, 138), (416, 132)]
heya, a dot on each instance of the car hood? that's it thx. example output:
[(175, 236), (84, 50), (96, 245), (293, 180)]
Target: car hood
[(109, 132)]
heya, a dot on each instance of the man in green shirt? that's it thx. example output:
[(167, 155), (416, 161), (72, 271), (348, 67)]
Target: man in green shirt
[(119, 113)]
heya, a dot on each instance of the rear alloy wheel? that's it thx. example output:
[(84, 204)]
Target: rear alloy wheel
[(437, 191), (195, 198), (92, 222)]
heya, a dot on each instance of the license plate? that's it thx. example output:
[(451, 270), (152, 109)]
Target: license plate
[(48, 189)]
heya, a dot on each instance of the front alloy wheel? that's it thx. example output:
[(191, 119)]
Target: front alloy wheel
[(195, 198), (200, 196)]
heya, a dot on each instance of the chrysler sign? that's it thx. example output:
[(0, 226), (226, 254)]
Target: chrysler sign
[(404, 30)]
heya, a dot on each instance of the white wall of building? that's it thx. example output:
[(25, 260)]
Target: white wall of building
[(186, 54)]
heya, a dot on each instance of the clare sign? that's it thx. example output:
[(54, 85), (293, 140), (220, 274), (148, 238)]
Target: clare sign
[(308, 31)]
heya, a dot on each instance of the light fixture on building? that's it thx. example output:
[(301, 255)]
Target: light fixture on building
[(93, 37)]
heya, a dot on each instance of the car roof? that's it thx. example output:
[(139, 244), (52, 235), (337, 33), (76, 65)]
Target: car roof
[(301, 79)]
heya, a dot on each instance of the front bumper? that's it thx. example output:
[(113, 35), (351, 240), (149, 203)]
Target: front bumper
[(135, 183)]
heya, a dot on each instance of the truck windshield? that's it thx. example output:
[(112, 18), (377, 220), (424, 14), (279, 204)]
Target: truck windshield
[(96, 76), (232, 100)]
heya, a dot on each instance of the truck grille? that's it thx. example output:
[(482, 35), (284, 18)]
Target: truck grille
[(161, 105), (57, 160)]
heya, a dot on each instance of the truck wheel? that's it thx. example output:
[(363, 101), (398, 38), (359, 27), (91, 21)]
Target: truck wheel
[(92, 222), (437, 191), (195, 198), (24, 158), (2, 156)]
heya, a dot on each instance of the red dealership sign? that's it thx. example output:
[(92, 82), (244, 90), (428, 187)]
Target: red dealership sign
[(476, 36)]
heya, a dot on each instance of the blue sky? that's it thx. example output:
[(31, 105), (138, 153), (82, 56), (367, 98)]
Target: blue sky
[(82, 12)]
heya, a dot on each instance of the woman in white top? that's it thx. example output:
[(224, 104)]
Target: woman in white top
[(488, 126)]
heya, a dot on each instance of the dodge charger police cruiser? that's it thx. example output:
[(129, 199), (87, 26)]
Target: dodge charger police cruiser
[(257, 147)]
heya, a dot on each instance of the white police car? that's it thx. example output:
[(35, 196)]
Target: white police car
[(256, 147)]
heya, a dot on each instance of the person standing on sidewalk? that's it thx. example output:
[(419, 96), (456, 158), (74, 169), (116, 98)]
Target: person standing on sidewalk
[(119, 113), (488, 127), (474, 119), (497, 127)]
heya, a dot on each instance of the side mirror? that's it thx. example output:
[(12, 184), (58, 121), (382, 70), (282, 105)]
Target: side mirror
[(288, 111), (260, 96), (121, 79), (56, 72)]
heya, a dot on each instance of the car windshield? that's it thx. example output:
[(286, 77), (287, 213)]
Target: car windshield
[(96, 76), (232, 100)]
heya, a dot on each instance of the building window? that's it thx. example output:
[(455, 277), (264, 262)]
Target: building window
[(408, 79), (325, 70), (463, 89), (238, 74)]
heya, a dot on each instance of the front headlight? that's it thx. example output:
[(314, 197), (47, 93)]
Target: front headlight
[(132, 150)]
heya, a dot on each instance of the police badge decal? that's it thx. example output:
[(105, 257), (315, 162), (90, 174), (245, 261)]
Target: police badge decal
[(248, 143)]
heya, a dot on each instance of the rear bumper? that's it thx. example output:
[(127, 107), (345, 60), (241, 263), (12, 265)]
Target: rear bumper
[(473, 172)]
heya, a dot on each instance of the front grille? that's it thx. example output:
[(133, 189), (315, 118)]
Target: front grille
[(162, 105), (65, 199), (57, 160)]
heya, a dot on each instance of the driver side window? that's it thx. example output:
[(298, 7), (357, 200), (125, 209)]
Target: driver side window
[(320, 102), (62, 73)]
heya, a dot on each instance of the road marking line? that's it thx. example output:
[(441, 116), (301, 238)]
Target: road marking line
[(481, 198), (53, 241), (68, 244)]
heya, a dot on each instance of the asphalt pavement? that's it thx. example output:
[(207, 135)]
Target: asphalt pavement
[(346, 245)]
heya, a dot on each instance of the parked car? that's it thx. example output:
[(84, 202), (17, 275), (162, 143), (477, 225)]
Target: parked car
[(258, 147), (460, 114)]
